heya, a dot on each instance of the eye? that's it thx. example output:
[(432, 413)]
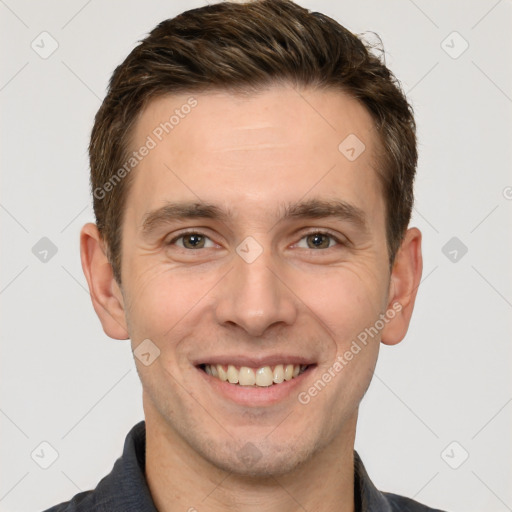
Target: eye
[(192, 240), (319, 240), (315, 240)]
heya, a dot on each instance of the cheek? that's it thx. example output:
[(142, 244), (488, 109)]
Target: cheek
[(346, 301), (164, 299)]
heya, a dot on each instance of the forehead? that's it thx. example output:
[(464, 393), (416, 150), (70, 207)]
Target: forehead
[(254, 151)]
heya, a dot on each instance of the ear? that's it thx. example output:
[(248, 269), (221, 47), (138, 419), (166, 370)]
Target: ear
[(106, 295), (404, 282)]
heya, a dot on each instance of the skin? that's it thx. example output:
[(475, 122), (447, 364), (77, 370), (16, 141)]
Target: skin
[(252, 154)]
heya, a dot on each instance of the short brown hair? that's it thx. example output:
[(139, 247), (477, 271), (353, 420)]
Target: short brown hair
[(244, 47)]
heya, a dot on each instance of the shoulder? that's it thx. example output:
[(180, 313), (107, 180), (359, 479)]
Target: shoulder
[(124, 489), (370, 499), (84, 501), (403, 504)]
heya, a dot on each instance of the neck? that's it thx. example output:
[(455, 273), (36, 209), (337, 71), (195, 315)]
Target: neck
[(181, 480)]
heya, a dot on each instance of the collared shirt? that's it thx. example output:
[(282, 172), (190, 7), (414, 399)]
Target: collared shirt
[(125, 488)]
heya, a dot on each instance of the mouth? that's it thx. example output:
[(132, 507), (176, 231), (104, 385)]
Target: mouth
[(262, 376), (260, 381)]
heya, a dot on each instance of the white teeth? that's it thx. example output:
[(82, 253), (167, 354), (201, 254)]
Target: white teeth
[(232, 374), (223, 375), (278, 374), (246, 376), (262, 377)]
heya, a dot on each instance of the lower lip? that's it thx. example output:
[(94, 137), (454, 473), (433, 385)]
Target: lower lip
[(257, 396)]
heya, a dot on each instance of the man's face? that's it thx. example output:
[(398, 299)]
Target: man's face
[(251, 284)]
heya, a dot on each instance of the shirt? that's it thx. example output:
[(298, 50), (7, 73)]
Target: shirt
[(125, 488)]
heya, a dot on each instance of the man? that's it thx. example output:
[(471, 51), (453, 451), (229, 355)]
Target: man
[(252, 170)]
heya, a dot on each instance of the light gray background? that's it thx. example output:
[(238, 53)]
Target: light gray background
[(65, 382)]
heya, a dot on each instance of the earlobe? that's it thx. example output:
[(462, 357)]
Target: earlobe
[(405, 279), (106, 296)]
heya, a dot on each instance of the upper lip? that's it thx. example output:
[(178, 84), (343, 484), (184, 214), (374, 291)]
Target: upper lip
[(254, 361)]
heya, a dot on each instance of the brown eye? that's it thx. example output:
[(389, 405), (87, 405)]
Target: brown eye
[(191, 241), (318, 241)]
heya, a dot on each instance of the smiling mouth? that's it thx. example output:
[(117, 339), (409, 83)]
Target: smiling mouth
[(264, 376)]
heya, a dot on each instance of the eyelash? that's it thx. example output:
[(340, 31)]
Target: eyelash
[(315, 232)]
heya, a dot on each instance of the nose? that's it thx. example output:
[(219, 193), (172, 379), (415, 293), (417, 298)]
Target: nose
[(255, 296)]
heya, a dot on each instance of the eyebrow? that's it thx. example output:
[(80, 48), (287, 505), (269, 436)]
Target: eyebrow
[(309, 209)]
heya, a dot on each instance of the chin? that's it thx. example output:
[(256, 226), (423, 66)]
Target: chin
[(258, 461)]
